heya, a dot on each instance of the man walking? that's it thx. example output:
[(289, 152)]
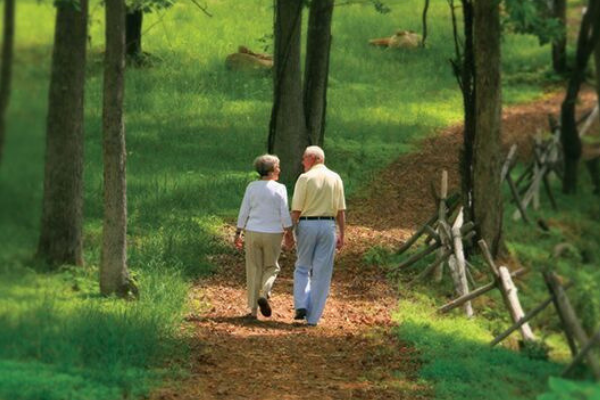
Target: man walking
[(317, 204)]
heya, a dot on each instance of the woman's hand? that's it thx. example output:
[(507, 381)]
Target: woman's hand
[(238, 242)]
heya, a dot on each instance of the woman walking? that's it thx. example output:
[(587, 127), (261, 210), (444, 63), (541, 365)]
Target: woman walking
[(263, 217)]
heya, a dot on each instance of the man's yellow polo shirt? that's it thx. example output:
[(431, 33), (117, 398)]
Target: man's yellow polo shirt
[(319, 192)]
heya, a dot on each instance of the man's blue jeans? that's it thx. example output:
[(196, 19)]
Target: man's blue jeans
[(314, 267)]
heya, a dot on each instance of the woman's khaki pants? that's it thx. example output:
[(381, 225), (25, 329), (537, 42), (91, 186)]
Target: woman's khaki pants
[(262, 266)]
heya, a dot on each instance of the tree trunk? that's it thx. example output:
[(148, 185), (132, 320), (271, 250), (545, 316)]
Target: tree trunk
[(61, 227), (288, 135), (8, 36), (468, 84), (589, 34), (424, 22), (487, 163), (133, 32), (597, 65), (559, 47), (316, 72), (593, 164), (114, 277)]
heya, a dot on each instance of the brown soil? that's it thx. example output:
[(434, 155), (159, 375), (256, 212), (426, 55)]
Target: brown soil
[(353, 353)]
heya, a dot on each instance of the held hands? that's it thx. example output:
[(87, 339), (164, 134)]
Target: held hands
[(238, 242), (288, 240)]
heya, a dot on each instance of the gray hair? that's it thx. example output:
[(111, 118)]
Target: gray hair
[(265, 164), (316, 152)]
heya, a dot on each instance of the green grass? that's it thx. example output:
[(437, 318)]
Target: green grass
[(61, 340), (457, 360), (193, 129)]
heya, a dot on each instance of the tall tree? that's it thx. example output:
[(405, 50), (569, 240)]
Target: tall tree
[(594, 164), (8, 37), (589, 34), (464, 70), (134, 19), (316, 71), (487, 197), (559, 45), (62, 209), (544, 19), (288, 135), (114, 276), (597, 68)]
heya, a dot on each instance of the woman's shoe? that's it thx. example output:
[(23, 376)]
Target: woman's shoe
[(265, 308)]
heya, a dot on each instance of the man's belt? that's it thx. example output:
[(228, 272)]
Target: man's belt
[(317, 218)]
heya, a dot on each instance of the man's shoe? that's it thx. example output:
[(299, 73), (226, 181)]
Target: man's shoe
[(300, 314), (265, 308)]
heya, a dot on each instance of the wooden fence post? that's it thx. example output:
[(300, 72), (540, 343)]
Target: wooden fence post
[(509, 291), (570, 321), (595, 340), (462, 286), (438, 271)]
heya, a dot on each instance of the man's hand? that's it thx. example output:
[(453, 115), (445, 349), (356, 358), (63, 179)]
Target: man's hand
[(339, 242), (341, 222)]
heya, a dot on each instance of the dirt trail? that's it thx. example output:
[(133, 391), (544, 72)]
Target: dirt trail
[(353, 353)]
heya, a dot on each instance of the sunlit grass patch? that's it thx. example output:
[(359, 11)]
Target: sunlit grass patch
[(457, 359)]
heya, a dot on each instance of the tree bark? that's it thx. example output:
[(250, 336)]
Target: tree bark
[(316, 72), (487, 162), (424, 22), (8, 38), (467, 82), (589, 34), (62, 209), (288, 135), (133, 32), (559, 47), (597, 65), (114, 277), (593, 164)]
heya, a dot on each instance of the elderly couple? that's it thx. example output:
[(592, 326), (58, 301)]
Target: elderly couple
[(264, 218)]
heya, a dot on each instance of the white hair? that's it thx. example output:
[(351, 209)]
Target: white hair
[(316, 152), (266, 164)]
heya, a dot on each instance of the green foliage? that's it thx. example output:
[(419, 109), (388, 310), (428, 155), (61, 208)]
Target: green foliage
[(148, 6), (380, 7), (585, 298), (576, 233), (536, 350), (532, 17), (75, 4), (378, 256), (561, 389)]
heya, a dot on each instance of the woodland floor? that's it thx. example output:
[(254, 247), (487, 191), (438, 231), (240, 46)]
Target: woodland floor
[(353, 353)]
